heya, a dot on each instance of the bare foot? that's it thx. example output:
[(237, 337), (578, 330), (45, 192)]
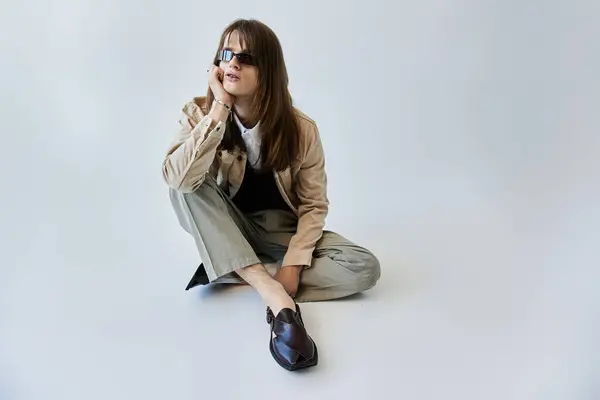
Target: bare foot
[(289, 277)]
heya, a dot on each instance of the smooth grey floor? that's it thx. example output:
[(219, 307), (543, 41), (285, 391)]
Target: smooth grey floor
[(463, 148)]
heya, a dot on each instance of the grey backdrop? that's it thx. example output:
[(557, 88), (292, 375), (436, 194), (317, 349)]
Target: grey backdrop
[(462, 142)]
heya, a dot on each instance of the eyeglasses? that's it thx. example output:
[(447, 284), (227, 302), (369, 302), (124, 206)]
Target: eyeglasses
[(227, 55)]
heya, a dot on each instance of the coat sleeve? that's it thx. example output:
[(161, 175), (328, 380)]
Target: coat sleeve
[(311, 189), (193, 149)]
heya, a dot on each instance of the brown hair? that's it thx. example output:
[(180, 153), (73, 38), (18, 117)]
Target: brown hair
[(272, 104)]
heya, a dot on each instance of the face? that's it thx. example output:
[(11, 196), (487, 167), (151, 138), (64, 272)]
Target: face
[(240, 79)]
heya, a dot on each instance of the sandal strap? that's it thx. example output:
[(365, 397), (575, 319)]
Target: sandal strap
[(292, 333)]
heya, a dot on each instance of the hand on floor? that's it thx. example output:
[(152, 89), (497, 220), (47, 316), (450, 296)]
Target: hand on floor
[(289, 277)]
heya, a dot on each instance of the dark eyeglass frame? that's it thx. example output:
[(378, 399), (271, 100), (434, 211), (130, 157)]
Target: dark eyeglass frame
[(227, 55)]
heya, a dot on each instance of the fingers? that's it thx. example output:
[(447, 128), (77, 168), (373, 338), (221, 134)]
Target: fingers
[(219, 73), (215, 73)]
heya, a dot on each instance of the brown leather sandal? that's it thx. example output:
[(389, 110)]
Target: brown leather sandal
[(291, 347)]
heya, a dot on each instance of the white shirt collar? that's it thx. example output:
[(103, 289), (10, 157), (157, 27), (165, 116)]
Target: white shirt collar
[(253, 133), (252, 138)]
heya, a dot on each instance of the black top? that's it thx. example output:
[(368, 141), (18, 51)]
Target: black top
[(259, 192)]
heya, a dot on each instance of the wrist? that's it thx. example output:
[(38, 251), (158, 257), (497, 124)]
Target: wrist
[(297, 268), (219, 112), (227, 103)]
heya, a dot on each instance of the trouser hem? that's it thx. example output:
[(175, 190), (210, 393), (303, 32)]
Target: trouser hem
[(226, 267)]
